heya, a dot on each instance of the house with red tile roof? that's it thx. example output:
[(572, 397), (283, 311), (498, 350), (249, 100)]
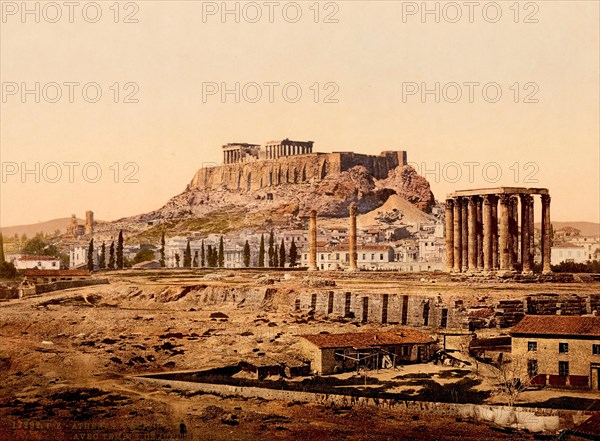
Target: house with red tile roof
[(558, 351), (331, 353)]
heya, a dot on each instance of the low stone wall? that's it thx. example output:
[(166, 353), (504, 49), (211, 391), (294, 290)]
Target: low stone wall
[(55, 286), (529, 418)]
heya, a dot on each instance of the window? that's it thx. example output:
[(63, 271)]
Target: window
[(381, 256), (563, 368), (596, 349), (532, 368), (532, 346), (405, 351), (563, 348)]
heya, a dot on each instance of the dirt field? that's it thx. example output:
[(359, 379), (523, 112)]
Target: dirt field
[(66, 358)]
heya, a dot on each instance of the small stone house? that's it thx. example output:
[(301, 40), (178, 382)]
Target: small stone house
[(331, 353), (558, 351)]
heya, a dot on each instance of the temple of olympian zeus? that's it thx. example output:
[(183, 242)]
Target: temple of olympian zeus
[(483, 232)]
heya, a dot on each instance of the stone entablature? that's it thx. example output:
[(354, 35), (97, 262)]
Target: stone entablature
[(253, 173), (483, 232)]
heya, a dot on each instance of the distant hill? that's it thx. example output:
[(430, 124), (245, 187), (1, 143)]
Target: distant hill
[(586, 228), (46, 227)]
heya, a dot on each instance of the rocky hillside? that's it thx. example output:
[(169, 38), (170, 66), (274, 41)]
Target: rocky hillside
[(224, 210)]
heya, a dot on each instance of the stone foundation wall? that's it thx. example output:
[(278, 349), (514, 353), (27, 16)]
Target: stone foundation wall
[(254, 175)]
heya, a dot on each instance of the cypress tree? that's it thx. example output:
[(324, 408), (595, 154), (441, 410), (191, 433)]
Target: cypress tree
[(271, 251), (120, 250), (221, 256), (111, 256), (2, 259), (209, 256), (261, 252), (293, 254), (202, 256), (275, 256), (177, 260), (162, 250), (187, 256), (90, 255), (195, 261), (282, 254), (247, 254), (102, 258)]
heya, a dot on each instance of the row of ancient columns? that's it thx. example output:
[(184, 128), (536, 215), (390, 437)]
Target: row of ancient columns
[(232, 156), (482, 233), (276, 151)]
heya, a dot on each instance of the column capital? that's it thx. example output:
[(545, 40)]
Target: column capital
[(545, 198), (505, 198), (449, 203), (353, 210), (490, 199)]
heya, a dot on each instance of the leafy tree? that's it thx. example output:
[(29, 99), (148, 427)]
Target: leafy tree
[(282, 254), (162, 250), (90, 255), (120, 261), (143, 255), (39, 246), (177, 260), (271, 252), (102, 258), (187, 256), (246, 254), (7, 270), (202, 255), (111, 256), (221, 256), (293, 254), (261, 252)]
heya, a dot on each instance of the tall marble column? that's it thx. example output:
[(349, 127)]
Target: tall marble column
[(465, 233), (457, 235), (503, 244), (353, 255), (514, 232), (449, 235), (546, 238), (312, 235), (531, 234), (479, 233), (488, 234), (525, 234), (495, 253), (472, 232)]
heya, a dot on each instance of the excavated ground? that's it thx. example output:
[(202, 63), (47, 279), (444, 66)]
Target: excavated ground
[(67, 358)]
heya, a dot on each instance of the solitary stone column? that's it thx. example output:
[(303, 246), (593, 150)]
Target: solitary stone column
[(546, 238), (465, 234), (479, 233), (472, 231), (312, 238), (525, 234), (457, 235), (449, 235), (503, 232), (353, 255)]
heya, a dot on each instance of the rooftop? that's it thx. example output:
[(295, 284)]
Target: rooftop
[(53, 273), (365, 340), (558, 325), (37, 258)]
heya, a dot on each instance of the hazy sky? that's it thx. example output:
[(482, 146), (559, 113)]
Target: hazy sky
[(373, 58)]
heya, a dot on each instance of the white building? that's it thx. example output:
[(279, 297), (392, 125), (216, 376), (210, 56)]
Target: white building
[(338, 257), (40, 262), (568, 252), (431, 250), (78, 256)]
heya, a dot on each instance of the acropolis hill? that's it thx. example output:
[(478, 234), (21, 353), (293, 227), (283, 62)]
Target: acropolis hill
[(252, 167), (278, 183)]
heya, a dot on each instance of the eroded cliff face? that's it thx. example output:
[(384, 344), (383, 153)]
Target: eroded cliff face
[(331, 195)]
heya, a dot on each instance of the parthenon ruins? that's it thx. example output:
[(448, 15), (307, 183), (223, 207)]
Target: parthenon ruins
[(482, 230)]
